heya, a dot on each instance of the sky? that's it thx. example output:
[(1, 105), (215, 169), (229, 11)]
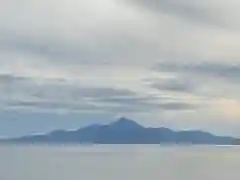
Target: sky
[(68, 63)]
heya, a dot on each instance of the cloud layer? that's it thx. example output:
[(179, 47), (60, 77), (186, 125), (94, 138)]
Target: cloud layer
[(156, 60)]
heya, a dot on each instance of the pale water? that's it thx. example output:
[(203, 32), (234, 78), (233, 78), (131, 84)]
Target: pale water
[(119, 163)]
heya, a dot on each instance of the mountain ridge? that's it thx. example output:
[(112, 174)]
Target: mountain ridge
[(125, 131)]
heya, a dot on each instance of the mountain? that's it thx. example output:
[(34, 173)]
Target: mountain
[(125, 131)]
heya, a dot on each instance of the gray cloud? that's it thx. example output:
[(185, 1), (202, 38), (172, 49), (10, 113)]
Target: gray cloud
[(8, 79), (152, 107), (194, 11), (122, 34), (51, 106), (146, 103), (207, 81), (174, 85), (55, 88), (53, 94), (178, 106), (117, 107), (119, 48), (103, 51), (207, 13), (225, 71)]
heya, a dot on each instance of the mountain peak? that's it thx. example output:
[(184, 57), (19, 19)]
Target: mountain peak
[(125, 123), (123, 119)]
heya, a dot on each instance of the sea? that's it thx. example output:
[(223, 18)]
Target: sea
[(119, 162)]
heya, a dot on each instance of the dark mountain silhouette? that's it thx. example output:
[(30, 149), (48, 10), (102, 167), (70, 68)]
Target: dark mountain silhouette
[(125, 131)]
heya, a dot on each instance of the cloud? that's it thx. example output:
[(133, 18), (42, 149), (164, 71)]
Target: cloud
[(208, 80), (117, 57), (50, 106), (51, 93), (207, 13), (217, 84), (190, 10), (227, 71), (60, 94), (80, 32), (228, 108), (174, 85), (52, 85), (148, 104)]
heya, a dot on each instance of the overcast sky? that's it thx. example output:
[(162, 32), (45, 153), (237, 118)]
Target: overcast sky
[(68, 63)]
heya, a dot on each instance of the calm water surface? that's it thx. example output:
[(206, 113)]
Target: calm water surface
[(119, 163)]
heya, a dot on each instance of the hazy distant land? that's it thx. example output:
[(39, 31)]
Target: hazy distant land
[(125, 131)]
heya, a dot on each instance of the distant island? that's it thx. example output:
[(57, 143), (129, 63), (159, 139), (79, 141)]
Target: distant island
[(124, 131)]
